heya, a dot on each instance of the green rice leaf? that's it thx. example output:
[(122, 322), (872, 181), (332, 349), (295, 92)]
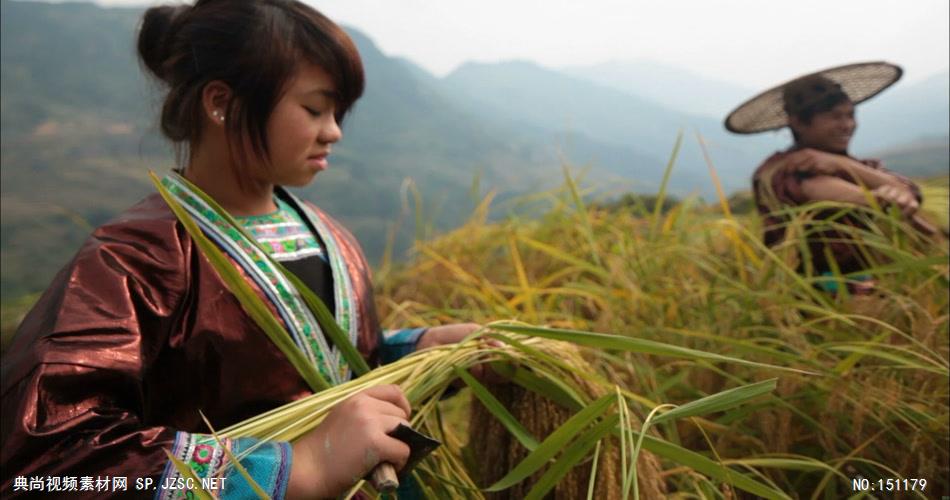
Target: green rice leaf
[(553, 443), (742, 346), (327, 323), (661, 194), (721, 401), (632, 479), (846, 364), (806, 464), (593, 472), (880, 351), (552, 389), (904, 265), (498, 410), (584, 216), (712, 469), (573, 454)]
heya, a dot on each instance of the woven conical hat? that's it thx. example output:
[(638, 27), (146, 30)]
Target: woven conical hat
[(860, 81)]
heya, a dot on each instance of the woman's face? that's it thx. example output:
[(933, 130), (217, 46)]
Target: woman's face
[(829, 130), (302, 127)]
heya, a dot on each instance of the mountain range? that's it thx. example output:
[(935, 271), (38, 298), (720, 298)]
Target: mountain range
[(79, 134)]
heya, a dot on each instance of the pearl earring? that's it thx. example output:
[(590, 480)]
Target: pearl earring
[(218, 115)]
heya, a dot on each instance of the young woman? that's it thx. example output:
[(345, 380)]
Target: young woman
[(137, 334), (819, 110)]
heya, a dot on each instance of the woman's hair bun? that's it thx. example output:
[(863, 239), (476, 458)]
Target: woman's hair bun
[(154, 42)]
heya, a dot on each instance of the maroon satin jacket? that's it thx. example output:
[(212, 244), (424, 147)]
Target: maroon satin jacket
[(132, 338), (775, 185)]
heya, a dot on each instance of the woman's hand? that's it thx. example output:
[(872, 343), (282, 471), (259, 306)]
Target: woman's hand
[(349, 443), (446, 334), (455, 333)]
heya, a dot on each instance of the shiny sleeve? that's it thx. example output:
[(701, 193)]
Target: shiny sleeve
[(72, 392), (74, 400), (394, 344)]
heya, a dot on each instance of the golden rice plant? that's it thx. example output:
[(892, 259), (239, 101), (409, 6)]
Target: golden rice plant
[(702, 279)]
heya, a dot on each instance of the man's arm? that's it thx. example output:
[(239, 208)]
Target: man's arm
[(829, 164), (827, 188)]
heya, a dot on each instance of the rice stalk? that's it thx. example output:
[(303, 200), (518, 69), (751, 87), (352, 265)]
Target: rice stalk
[(883, 360)]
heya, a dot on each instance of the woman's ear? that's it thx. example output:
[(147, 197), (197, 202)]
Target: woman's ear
[(215, 101)]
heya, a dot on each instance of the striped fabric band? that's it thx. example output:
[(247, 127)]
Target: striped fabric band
[(298, 319), (283, 234), (268, 464)]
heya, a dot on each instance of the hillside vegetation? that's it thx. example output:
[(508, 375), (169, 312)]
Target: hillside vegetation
[(79, 134), (79, 130)]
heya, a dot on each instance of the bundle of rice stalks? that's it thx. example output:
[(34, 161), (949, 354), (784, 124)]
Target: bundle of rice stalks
[(577, 445)]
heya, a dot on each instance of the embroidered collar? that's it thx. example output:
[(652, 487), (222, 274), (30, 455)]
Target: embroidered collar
[(293, 311)]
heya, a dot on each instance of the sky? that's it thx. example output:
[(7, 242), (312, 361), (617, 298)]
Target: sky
[(752, 43)]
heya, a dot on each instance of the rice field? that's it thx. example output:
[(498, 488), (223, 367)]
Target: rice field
[(660, 352), (870, 399)]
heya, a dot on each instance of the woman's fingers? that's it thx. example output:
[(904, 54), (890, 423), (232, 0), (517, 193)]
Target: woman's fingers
[(392, 394), (490, 342), (388, 448), (351, 440), (368, 407), (446, 334)]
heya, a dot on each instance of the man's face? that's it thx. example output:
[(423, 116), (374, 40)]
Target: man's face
[(829, 131)]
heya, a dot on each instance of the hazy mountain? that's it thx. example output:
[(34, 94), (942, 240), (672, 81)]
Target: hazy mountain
[(404, 127), (671, 87), (79, 135), (904, 113), (73, 122), (925, 157), (528, 94), (63, 59), (922, 109)]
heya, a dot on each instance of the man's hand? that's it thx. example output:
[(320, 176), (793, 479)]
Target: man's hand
[(814, 162), (901, 198)]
